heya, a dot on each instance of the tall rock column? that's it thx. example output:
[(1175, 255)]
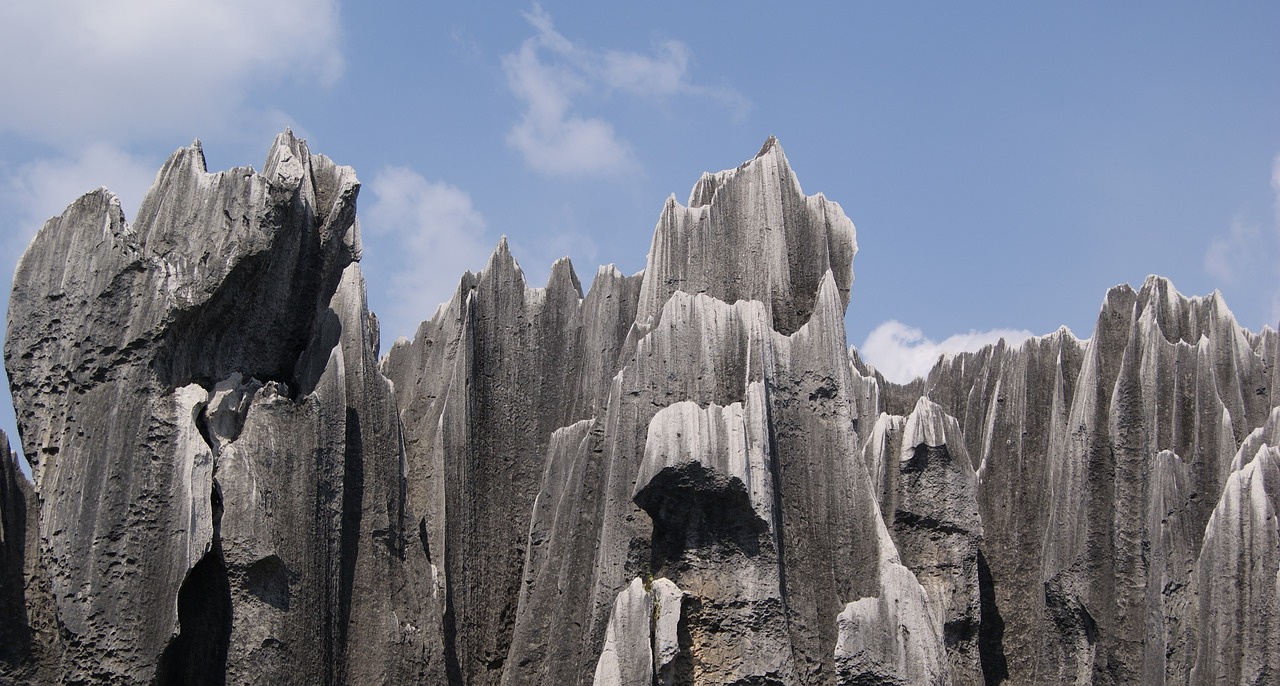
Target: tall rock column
[(186, 386)]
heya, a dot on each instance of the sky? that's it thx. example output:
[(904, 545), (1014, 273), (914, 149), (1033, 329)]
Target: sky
[(1004, 163)]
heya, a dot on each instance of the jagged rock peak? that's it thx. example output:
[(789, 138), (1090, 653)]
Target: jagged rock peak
[(685, 476), (751, 233), (769, 144), (136, 354), (1178, 317)]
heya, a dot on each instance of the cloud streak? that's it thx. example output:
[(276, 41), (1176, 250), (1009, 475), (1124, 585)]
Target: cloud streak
[(82, 70), (428, 234), (43, 188), (902, 353), (550, 75), (1248, 254)]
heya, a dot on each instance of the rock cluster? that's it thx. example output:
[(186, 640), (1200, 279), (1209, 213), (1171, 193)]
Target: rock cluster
[(684, 476)]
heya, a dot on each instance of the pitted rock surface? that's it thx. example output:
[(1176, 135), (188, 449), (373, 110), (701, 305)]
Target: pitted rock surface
[(684, 476)]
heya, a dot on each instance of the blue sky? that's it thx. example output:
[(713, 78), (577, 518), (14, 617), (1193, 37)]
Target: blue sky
[(1004, 164)]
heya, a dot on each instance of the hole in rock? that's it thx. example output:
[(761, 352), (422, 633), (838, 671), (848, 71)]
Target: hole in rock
[(694, 508), (268, 581)]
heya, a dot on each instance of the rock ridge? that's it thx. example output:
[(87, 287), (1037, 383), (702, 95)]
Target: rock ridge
[(682, 476)]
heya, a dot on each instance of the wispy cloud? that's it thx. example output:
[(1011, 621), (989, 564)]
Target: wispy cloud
[(429, 233), (550, 74), (1229, 253), (1248, 254), (43, 188), (902, 353), (78, 71)]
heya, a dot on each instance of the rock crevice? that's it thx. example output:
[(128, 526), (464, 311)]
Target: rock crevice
[(684, 476)]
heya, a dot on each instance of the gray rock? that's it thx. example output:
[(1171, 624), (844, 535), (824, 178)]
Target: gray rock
[(627, 656), (1238, 611), (187, 386), (684, 476), (29, 637), (782, 242), (929, 496), (671, 659), (893, 637), (1099, 464), (643, 642)]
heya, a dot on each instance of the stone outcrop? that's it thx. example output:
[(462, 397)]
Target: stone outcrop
[(217, 458), (928, 497), (681, 476), (1099, 464)]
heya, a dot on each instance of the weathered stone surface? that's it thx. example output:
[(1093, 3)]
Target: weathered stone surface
[(928, 494), (29, 638), (708, 469), (892, 637), (186, 386), (627, 656), (684, 476), (1236, 577), (1098, 464), (645, 642), (484, 386), (782, 242), (672, 662)]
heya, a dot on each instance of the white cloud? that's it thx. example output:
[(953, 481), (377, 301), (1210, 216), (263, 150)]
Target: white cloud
[(43, 188), (83, 70), (537, 256), (1247, 256), (550, 73), (1275, 255), (430, 233), (902, 353), (1228, 255), (1275, 185)]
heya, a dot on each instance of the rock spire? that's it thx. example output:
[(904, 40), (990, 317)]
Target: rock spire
[(682, 476)]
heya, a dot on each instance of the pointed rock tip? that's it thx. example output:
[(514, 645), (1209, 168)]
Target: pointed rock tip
[(1120, 295), (1120, 289), (927, 424), (1159, 290), (925, 406), (285, 137), (502, 255), (562, 271), (770, 144), (193, 152), (502, 250)]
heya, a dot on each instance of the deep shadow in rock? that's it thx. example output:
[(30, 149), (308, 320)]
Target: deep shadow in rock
[(694, 507), (268, 580), (15, 629), (352, 515), (995, 668), (197, 656)]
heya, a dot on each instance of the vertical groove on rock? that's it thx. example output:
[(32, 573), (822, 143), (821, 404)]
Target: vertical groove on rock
[(349, 535), (198, 654), (995, 667), (17, 649), (683, 477)]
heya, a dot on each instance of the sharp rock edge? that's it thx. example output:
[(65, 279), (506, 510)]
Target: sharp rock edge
[(684, 476)]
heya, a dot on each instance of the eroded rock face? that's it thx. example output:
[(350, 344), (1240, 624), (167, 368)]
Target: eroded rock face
[(29, 637), (1099, 464), (682, 476), (929, 500), (216, 455)]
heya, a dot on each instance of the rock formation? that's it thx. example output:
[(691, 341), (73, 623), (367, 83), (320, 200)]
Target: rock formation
[(684, 476)]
